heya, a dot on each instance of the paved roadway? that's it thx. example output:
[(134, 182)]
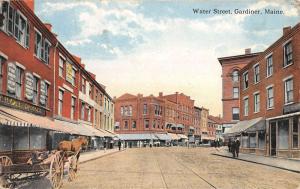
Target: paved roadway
[(178, 168)]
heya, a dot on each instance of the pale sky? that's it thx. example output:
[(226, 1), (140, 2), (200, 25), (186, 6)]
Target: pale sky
[(152, 46)]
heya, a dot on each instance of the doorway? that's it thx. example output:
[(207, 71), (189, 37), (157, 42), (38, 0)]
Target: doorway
[(273, 144)]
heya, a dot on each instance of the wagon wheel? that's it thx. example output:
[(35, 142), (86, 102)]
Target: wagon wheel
[(72, 169), (5, 161), (56, 171)]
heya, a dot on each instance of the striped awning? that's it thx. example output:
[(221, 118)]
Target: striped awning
[(174, 136), (163, 136), (182, 136)]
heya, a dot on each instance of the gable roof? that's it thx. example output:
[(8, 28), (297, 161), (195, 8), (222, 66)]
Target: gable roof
[(126, 96)]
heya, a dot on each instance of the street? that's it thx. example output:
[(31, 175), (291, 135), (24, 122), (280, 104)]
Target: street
[(178, 167)]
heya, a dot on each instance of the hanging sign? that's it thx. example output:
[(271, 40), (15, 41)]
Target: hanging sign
[(29, 86), (11, 78)]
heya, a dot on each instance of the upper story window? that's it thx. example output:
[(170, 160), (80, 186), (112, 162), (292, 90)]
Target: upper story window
[(245, 80), (130, 111), (288, 54), (82, 110), (269, 65), (44, 93), (60, 101), (235, 92), (235, 113), (270, 97), (145, 109), (146, 124), (235, 76), (256, 102), (91, 91), (256, 73), (70, 73), (61, 66), (42, 47), (83, 85), (73, 106), (89, 113), (35, 90), (246, 106), (288, 91), (5, 16), (133, 124), (122, 110)]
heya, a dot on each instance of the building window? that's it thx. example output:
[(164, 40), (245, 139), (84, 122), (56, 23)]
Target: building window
[(235, 76), (256, 102), (154, 124), (288, 91), (38, 44), (73, 105), (256, 73), (61, 66), (35, 90), (134, 124), (122, 110), (246, 106), (5, 14), (270, 96), (125, 111), (44, 93), (89, 113), (11, 13), (47, 52), (125, 124), (295, 132), (1, 72), (21, 29), (130, 110), (146, 123), (60, 102), (82, 110), (283, 134), (269, 65), (73, 77), (288, 54), (235, 92), (246, 80), (235, 113), (145, 109), (83, 85), (19, 82)]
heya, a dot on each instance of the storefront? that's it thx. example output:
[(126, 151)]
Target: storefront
[(284, 136)]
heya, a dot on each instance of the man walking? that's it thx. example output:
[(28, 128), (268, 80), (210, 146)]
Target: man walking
[(119, 145), (237, 147), (233, 147)]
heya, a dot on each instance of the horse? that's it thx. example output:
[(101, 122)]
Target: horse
[(74, 145)]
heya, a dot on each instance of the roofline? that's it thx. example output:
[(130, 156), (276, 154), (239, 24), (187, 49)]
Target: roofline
[(221, 59)]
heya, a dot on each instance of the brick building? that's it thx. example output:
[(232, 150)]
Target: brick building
[(270, 99), (41, 82), (197, 124), (231, 66)]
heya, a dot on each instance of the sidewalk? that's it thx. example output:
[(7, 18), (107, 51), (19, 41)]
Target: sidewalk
[(88, 156), (286, 164)]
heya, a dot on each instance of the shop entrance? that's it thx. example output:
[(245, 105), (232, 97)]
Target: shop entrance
[(273, 144)]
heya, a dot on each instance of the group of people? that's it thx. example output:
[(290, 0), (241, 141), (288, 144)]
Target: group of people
[(234, 147)]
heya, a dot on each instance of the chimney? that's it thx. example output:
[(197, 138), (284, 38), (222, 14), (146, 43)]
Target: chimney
[(160, 94), (248, 51), (30, 4), (286, 29), (78, 59), (48, 26)]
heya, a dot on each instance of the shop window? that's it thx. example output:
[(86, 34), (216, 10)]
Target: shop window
[(37, 138), (5, 138), (283, 134), (261, 139), (21, 141), (252, 140), (245, 142), (295, 132)]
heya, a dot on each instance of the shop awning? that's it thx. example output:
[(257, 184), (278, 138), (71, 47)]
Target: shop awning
[(207, 138), (192, 128), (163, 136), (182, 136), (247, 126), (142, 136), (174, 136), (180, 126)]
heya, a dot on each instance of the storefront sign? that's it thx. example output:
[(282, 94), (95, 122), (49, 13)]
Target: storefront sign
[(11, 78), (21, 105), (29, 86), (69, 71), (291, 108), (43, 93)]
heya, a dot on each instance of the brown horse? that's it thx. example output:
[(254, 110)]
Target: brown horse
[(73, 145)]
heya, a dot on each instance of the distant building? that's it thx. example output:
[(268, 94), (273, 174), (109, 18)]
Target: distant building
[(231, 66)]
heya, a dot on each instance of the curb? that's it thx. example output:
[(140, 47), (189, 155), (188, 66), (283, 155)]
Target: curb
[(295, 171), (104, 155)]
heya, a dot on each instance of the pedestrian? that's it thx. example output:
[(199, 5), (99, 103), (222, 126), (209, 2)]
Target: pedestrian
[(119, 145), (232, 148), (237, 147), (229, 145)]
